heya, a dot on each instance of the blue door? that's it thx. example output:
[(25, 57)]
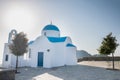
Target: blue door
[(40, 58)]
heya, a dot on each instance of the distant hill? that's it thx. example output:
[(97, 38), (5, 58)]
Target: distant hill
[(82, 53)]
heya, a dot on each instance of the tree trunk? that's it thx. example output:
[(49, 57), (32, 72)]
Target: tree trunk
[(16, 63), (113, 60)]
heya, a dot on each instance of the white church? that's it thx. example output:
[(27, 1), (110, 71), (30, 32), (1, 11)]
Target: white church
[(47, 50)]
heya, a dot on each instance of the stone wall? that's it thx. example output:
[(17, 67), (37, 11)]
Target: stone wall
[(6, 74), (103, 64), (99, 59)]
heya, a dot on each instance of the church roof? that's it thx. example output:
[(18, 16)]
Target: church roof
[(70, 45), (51, 27), (56, 39)]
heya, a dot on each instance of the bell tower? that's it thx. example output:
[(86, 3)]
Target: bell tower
[(11, 35)]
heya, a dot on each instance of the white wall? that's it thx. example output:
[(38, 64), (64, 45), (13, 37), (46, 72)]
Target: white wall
[(71, 58), (58, 56), (68, 40), (70, 53), (12, 58), (6, 64), (41, 44)]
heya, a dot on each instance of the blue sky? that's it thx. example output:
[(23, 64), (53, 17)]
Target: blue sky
[(85, 21)]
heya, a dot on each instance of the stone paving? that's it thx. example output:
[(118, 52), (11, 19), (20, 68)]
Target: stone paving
[(77, 72)]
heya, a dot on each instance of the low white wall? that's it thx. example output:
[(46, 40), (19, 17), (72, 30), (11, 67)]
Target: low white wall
[(103, 64)]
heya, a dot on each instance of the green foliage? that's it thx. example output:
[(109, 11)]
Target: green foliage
[(19, 45), (108, 45)]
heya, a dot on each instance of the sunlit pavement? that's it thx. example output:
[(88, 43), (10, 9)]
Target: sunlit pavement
[(77, 72)]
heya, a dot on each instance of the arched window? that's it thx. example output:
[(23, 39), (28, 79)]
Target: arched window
[(29, 53), (6, 57), (44, 33)]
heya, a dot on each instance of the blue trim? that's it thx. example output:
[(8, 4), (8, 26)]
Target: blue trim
[(56, 39), (30, 42), (70, 45), (51, 27)]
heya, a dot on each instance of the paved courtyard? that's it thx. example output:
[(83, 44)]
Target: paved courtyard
[(77, 72)]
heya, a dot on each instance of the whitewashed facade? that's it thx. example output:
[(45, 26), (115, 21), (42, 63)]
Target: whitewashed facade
[(47, 50)]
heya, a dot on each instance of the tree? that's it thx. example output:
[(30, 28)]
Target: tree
[(19, 46), (109, 45)]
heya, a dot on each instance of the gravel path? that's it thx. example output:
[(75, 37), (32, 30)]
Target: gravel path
[(77, 72)]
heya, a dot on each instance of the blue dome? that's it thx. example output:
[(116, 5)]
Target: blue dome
[(51, 27)]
